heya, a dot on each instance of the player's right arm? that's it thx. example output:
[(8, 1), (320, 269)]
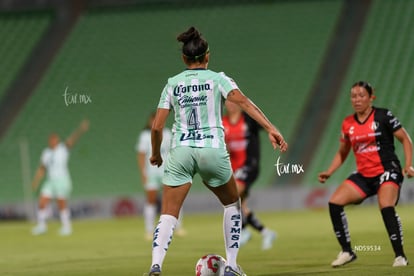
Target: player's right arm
[(40, 173), (74, 137), (156, 135), (338, 160)]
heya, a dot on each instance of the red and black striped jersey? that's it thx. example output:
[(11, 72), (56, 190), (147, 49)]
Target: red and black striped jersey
[(242, 139), (372, 141)]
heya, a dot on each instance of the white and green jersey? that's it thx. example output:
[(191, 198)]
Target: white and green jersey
[(197, 97), (56, 162)]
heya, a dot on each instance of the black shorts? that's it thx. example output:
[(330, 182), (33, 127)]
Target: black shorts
[(246, 175), (369, 186)]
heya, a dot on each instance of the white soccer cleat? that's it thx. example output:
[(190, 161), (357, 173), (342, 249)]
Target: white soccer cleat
[(65, 231), (245, 237), (400, 261), (343, 258), (268, 239), (155, 270), (39, 230), (229, 271)]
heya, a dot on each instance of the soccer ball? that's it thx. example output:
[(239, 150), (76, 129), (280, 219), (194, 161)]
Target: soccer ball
[(210, 265)]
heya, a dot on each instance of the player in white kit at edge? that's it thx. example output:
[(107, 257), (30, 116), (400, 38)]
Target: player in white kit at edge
[(58, 184)]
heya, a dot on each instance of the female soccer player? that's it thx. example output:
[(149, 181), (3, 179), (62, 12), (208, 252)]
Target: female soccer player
[(370, 132), (151, 176), (243, 143), (195, 96), (54, 163)]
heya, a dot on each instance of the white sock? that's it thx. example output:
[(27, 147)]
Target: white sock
[(150, 211), (42, 215), (65, 218), (265, 231), (231, 229), (163, 234)]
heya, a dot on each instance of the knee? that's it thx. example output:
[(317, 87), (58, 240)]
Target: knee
[(385, 202)]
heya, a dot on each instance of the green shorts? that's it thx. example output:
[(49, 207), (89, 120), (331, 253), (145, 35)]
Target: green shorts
[(213, 165), (56, 188)]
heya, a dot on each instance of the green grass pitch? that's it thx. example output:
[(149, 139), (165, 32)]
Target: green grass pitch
[(305, 246)]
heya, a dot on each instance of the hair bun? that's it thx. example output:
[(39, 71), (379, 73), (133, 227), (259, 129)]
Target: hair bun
[(191, 34)]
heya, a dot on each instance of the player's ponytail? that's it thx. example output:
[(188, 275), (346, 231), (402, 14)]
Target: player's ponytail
[(195, 47)]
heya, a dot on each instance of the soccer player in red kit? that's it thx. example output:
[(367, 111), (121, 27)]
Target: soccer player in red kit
[(370, 133), (243, 145)]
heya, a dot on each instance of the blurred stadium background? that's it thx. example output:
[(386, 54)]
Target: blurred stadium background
[(296, 59)]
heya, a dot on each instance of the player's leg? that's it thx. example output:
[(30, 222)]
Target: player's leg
[(64, 215), (150, 212), (172, 200), (179, 171), (214, 173), (388, 195), (347, 193), (228, 196), (43, 211), (42, 215), (62, 192)]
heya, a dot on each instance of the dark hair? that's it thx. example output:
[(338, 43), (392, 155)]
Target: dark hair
[(366, 85), (195, 47)]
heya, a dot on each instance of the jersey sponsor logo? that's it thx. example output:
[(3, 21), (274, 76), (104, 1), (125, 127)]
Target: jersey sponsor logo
[(237, 145), (191, 75), (192, 101), (366, 147), (182, 89), (351, 130), (364, 137), (235, 231), (195, 135), (185, 100), (394, 122)]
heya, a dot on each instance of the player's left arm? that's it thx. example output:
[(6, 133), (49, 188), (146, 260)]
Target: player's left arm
[(402, 136), (275, 137), (74, 137)]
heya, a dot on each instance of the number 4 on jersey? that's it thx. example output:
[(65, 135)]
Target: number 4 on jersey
[(193, 119)]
